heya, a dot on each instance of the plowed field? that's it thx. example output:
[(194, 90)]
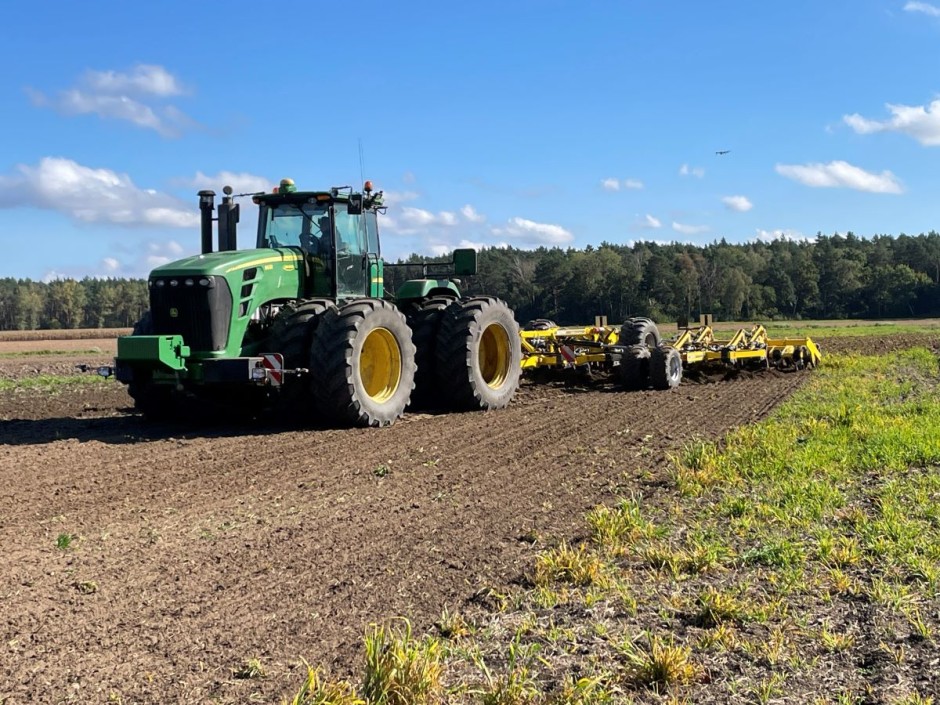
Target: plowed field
[(192, 550)]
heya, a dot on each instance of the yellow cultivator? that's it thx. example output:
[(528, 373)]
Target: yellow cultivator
[(642, 358)]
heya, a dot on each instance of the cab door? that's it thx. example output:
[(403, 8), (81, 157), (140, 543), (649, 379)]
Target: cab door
[(351, 261)]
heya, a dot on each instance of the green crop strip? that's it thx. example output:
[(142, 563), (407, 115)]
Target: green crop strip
[(767, 565), (49, 382)]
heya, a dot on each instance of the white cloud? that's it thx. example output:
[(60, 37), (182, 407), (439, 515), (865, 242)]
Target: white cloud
[(781, 234), (652, 222), (741, 204), (123, 96), (147, 79), (615, 184), (689, 229), (441, 249), (110, 264), (924, 7), (91, 195), (528, 232), (917, 121), (840, 174), (696, 171), (241, 182), (470, 213)]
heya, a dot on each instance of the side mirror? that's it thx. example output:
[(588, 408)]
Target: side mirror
[(354, 207), (465, 262)]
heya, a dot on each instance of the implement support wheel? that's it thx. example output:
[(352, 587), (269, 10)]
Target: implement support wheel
[(479, 355), (635, 367), (362, 364), (665, 367), (639, 331)]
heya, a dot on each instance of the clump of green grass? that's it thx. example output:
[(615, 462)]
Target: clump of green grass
[(251, 669), (659, 663), (716, 607), (65, 541), (452, 625), (400, 669), (612, 528), (577, 566), (316, 691)]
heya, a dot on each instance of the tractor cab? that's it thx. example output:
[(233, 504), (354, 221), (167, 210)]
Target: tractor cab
[(336, 231)]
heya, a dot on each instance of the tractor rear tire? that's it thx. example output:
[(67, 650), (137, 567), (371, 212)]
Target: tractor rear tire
[(291, 335), (639, 331), (479, 354), (424, 318), (155, 401), (635, 368), (362, 364), (665, 367)]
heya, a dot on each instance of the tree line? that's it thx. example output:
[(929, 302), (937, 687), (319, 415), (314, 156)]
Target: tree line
[(834, 276), (70, 303)]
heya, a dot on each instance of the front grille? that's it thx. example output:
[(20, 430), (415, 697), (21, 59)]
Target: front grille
[(197, 308)]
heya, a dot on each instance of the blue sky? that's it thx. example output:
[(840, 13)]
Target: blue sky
[(524, 123)]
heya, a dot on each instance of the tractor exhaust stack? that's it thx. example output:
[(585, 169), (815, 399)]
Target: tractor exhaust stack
[(206, 207)]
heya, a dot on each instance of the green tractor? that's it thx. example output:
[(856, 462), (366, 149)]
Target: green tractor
[(302, 321)]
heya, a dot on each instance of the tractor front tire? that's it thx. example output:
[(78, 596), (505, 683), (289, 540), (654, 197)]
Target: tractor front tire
[(635, 368), (639, 331), (665, 367), (155, 401), (291, 335), (362, 364), (424, 319), (479, 354)]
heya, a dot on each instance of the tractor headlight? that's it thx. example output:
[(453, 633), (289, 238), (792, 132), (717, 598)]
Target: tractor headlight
[(258, 374), (159, 283), (173, 282), (189, 282)]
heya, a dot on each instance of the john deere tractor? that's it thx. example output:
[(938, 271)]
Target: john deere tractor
[(302, 321)]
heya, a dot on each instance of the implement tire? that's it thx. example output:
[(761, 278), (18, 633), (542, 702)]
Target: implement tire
[(479, 354), (362, 364), (155, 401), (639, 331), (424, 318), (291, 335), (635, 368), (665, 367)]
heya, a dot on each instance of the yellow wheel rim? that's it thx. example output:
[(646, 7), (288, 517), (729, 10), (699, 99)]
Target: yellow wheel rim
[(495, 355), (380, 365)]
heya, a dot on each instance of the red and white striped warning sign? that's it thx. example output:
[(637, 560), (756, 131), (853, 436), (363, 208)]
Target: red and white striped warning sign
[(567, 353), (274, 364)]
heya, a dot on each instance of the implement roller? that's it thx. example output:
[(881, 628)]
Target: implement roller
[(642, 358)]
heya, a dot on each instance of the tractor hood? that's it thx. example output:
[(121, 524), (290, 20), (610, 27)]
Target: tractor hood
[(225, 263)]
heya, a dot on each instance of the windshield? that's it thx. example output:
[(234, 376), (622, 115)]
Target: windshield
[(306, 226)]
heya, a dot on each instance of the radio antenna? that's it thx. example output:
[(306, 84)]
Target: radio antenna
[(362, 168)]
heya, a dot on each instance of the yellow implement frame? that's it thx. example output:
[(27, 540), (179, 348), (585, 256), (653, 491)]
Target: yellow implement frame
[(568, 346), (597, 346), (746, 345)]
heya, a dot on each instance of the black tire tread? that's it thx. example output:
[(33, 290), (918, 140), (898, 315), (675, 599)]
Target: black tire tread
[(333, 369), (457, 361)]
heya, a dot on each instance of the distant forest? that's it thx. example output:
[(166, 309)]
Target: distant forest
[(832, 277)]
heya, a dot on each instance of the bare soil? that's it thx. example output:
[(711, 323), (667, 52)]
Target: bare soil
[(196, 549)]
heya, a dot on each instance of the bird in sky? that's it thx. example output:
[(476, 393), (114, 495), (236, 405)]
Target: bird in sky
[(722, 151)]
